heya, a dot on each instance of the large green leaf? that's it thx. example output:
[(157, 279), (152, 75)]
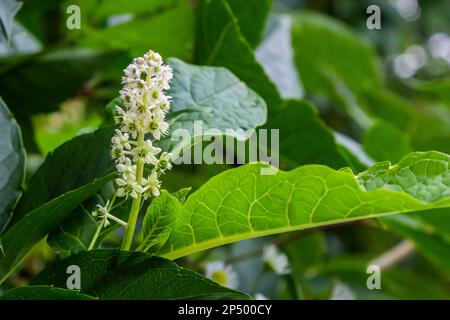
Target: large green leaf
[(12, 164), (219, 41), (216, 97), (242, 203), (44, 293), (73, 164), (17, 242), (109, 274)]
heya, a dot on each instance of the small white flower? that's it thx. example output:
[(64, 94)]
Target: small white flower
[(157, 126), (222, 274), (121, 139), (102, 213), (118, 154), (147, 152), (128, 187), (126, 169), (151, 185), (164, 162), (275, 260)]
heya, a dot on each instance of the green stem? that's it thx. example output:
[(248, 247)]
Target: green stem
[(135, 206), (95, 237)]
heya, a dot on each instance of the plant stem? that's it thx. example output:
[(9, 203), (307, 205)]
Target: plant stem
[(95, 237), (136, 204)]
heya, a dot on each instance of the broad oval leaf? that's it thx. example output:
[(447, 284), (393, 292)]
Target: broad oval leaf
[(44, 293), (12, 164), (241, 203), (16, 243), (111, 274), (216, 97)]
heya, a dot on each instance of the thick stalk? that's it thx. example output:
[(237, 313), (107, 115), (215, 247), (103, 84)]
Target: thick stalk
[(129, 231)]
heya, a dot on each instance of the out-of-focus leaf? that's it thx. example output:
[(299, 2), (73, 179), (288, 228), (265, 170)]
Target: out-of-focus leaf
[(304, 138), (395, 282), (384, 141), (12, 164), (8, 9), (49, 79), (168, 29), (251, 16), (220, 41), (323, 44), (433, 246), (276, 56), (390, 107)]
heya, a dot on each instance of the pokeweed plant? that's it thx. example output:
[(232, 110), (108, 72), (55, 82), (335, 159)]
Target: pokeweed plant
[(237, 204)]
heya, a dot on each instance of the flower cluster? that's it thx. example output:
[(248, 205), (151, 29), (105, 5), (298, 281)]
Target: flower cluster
[(142, 116)]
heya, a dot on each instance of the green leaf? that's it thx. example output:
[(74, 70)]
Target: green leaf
[(396, 282), (219, 41), (276, 56), (216, 97), (167, 28), (390, 107), (43, 293), (61, 75), (384, 141), (109, 274), (158, 221), (432, 245), (242, 203), (304, 138), (75, 233), (251, 16), (324, 45), (12, 164), (8, 9), (73, 164), (35, 225), (181, 194)]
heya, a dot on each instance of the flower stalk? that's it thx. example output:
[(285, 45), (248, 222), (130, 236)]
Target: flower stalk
[(141, 121)]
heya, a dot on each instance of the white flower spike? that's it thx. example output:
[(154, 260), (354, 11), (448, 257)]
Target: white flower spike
[(275, 260), (141, 116), (141, 121)]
